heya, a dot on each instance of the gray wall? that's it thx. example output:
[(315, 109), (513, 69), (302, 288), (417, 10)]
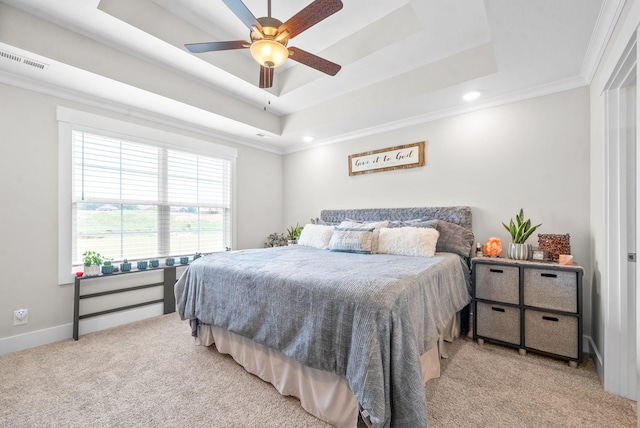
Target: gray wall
[(532, 154), (29, 199)]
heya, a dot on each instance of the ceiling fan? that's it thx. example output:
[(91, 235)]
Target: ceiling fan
[(269, 38)]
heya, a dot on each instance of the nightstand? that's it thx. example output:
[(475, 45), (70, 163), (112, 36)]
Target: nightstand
[(531, 306)]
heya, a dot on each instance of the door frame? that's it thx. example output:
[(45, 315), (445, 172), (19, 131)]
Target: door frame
[(619, 333)]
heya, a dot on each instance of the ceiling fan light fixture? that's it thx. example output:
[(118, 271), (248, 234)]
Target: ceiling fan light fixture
[(269, 53)]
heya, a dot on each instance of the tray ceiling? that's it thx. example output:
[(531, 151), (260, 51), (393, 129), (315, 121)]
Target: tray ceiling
[(402, 61)]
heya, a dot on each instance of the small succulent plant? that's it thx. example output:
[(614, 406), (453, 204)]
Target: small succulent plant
[(521, 229)]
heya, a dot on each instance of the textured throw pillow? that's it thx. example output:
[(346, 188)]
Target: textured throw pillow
[(376, 225), (454, 238), (408, 241), (351, 240), (316, 236)]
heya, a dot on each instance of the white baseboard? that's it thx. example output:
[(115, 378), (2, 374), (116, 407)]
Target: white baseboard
[(89, 325), (35, 338), (596, 357)]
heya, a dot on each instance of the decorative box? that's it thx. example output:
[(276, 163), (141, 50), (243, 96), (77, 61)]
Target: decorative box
[(554, 245)]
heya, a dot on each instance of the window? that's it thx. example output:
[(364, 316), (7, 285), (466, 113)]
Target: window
[(136, 198)]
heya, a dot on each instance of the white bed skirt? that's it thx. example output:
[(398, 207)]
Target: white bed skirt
[(323, 394)]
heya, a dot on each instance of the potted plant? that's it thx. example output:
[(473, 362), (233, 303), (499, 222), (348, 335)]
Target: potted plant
[(154, 263), (92, 261), (197, 256), (170, 261), (294, 234), (520, 231), (107, 267), (275, 240), (142, 264), (125, 266)]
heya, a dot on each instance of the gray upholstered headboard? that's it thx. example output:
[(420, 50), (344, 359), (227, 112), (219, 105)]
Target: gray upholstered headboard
[(458, 215)]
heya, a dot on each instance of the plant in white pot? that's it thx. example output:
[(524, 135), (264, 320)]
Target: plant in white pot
[(520, 231), (293, 234), (92, 261)]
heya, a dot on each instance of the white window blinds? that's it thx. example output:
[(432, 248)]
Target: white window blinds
[(137, 201)]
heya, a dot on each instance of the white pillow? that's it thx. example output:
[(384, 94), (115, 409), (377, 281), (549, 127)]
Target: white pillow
[(376, 225), (408, 241), (316, 236)]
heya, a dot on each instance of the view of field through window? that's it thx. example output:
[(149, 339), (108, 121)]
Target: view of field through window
[(137, 201), (127, 231)]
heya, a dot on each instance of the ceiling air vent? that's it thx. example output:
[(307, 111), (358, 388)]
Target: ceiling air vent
[(36, 64), (26, 61), (10, 56)]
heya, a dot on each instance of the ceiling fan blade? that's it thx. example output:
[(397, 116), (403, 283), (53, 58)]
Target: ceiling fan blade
[(242, 12), (216, 46), (313, 61), (266, 77), (310, 16)]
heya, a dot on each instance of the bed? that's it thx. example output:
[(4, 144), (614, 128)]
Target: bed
[(350, 333)]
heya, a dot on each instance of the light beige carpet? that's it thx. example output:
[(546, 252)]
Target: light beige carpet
[(150, 374)]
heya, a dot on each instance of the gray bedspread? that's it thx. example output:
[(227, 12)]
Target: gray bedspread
[(367, 318)]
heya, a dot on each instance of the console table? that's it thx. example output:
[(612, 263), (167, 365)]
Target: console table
[(169, 273)]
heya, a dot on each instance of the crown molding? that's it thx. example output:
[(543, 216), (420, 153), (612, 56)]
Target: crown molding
[(45, 88), (82, 98), (605, 24), (538, 91)]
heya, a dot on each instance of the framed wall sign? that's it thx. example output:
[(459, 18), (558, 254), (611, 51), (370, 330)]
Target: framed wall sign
[(399, 157)]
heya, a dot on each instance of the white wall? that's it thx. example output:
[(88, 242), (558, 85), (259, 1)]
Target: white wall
[(532, 154), (29, 195)]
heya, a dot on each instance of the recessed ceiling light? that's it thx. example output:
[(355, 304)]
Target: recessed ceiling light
[(470, 96), (308, 138)]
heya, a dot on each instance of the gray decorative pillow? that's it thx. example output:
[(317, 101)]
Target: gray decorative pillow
[(418, 222), (322, 222), (453, 238), (351, 240)]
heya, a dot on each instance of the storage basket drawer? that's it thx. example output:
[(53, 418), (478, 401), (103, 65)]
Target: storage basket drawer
[(553, 333), (496, 282), (498, 322), (551, 289)]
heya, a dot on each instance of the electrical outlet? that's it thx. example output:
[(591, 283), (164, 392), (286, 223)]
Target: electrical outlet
[(21, 316)]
